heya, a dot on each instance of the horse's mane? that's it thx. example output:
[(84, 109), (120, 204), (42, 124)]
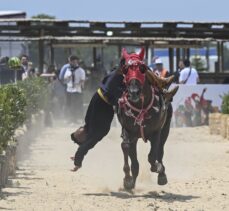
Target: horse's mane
[(151, 77), (155, 80)]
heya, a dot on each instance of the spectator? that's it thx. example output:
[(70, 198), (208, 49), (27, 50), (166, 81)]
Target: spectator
[(24, 72), (159, 69), (189, 74), (32, 72), (74, 77), (64, 69), (6, 75), (177, 73)]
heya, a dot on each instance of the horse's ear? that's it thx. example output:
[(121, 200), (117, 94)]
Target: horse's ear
[(142, 53), (125, 55)]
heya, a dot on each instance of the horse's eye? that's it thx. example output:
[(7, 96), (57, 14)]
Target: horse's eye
[(142, 68), (125, 70)]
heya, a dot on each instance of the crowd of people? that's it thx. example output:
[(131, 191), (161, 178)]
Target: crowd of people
[(185, 74), (65, 85), (15, 69)]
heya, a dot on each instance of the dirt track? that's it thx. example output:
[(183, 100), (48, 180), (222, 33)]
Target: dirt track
[(197, 166)]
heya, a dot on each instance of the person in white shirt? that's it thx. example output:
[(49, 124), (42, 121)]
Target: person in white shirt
[(188, 75), (74, 78), (25, 66)]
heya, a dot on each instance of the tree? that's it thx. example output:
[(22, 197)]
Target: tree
[(43, 16), (198, 63)]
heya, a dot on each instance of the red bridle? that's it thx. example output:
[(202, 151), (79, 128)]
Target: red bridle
[(133, 72), (134, 69), (131, 69)]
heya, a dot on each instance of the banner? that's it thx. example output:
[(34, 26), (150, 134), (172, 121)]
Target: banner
[(193, 103)]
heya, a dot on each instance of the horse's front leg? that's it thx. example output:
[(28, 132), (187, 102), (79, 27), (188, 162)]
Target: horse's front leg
[(134, 160), (128, 182)]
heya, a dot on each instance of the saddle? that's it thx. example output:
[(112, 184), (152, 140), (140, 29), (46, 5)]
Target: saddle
[(79, 136)]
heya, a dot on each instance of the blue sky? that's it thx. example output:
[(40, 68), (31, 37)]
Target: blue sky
[(124, 10)]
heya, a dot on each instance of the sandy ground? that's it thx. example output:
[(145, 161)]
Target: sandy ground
[(197, 166)]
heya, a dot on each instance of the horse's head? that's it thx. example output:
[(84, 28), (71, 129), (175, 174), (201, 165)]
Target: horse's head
[(134, 71)]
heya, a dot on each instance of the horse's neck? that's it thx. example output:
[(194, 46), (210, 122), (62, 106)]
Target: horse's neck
[(147, 96)]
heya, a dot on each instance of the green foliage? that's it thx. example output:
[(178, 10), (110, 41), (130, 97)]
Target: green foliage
[(12, 112), (14, 63), (43, 16), (198, 63), (225, 104), (17, 104), (36, 93)]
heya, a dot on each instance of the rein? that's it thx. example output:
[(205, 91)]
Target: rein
[(142, 113)]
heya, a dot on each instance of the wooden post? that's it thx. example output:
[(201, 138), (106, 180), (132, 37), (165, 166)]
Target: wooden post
[(51, 53), (183, 53), (102, 55), (222, 56), (177, 57), (171, 62), (188, 53), (207, 57), (146, 52), (149, 58), (219, 62), (41, 52), (94, 58)]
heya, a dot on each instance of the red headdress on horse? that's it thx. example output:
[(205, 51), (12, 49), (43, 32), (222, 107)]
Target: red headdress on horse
[(132, 65)]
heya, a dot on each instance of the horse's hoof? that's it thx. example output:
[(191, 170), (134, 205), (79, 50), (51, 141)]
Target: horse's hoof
[(153, 168), (128, 183), (162, 179)]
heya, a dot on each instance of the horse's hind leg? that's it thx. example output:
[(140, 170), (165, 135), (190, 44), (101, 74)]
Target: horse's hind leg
[(153, 154), (134, 161), (162, 178)]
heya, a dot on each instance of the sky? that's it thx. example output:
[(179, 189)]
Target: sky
[(124, 10)]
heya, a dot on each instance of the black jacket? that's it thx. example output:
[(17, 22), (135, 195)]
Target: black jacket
[(113, 87)]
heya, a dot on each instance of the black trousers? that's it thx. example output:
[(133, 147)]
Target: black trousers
[(98, 121)]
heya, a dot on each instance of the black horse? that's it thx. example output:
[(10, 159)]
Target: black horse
[(143, 113)]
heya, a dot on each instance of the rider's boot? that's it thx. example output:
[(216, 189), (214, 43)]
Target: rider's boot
[(160, 82)]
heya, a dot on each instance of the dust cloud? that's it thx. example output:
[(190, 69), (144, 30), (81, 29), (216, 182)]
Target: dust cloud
[(196, 166)]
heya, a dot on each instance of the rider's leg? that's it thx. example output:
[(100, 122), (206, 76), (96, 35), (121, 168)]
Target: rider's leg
[(98, 122)]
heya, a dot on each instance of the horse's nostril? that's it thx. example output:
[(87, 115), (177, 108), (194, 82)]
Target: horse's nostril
[(134, 89)]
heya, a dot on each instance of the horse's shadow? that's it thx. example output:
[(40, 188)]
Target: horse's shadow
[(165, 196)]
